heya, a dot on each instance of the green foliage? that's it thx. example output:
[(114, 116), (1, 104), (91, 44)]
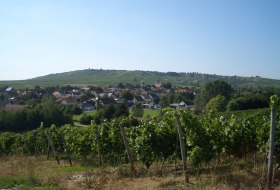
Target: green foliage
[(151, 113), (164, 101), (218, 87), (186, 97), (86, 119), (249, 101), (216, 104), (167, 85), (211, 90), (47, 112), (121, 111), (208, 136), (87, 95), (71, 109), (197, 139), (127, 95), (274, 101), (173, 97), (109, 112), (8, 142), (29, 182), (146, 144), (137, 110)]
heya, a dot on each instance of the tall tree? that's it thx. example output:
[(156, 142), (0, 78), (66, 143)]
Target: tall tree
[(216, 104), (211, 90), (248, 101), (109, 112), (216, 88), (164, 101), (121, 110), (127, 95), (137, 110)]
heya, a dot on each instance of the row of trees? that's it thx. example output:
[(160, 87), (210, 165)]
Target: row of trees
[(50, 113), (30, 118), (219, 96)]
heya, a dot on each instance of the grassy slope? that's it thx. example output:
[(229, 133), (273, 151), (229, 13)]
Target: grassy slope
[(113, 77)]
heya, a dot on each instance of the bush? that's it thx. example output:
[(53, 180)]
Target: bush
[(86, 119), (251, 101)]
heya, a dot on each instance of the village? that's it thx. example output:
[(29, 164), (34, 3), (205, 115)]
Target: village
[(90, 97)]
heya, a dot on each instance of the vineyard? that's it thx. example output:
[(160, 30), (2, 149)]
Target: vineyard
[(209, 140)]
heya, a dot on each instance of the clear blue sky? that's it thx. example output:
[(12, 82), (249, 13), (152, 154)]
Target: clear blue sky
[(225, 37)]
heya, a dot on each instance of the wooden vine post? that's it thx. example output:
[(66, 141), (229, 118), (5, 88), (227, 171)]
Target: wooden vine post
[(129, 155), (25, 144), (50, 144), (36, 143), (65, 144), (274, 102), (97, 135), (183, 148)]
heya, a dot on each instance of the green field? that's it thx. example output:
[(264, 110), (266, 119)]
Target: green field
[(151, 113), (77, 118)]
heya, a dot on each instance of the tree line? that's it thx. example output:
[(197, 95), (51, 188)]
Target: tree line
[(219, 96), (30, 118)]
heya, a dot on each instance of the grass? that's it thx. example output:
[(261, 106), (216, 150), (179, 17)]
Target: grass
[(39, 173), (76, 168), (22, 173), (23, 183), (77, 118), (10, 182), (151, 113)]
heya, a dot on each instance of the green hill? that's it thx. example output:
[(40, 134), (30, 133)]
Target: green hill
[(114, 77)]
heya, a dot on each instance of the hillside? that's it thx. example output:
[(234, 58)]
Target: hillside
[(113, 77)]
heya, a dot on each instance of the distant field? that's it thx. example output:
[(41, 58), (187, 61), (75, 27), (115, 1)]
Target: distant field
[(151, 113), (114, 77), (77, 118)]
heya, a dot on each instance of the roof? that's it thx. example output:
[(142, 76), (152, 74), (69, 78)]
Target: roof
[(87, 104), (157, 85), (146, 96), (9, 89), (120, 101), (182, 103), (174, 105), (138, 98), (56, 94), (154, 96), (14, 107), (68, 100), (107, 101)]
